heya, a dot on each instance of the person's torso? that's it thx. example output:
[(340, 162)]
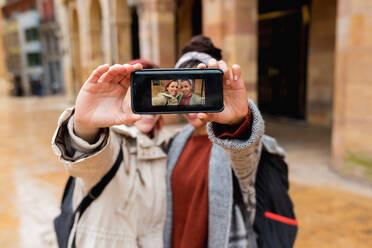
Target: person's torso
[(131, 210)]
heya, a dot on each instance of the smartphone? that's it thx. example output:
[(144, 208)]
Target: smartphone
[(169, 91)]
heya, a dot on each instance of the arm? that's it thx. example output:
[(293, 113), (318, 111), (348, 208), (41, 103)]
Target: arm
[(83, 140), (80, 158), (244, 150), (244, 147)]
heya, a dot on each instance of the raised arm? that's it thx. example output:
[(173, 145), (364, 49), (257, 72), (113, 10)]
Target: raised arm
[(83, 140), (243, 122)]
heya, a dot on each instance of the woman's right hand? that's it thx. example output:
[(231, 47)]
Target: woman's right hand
[(102, 101)]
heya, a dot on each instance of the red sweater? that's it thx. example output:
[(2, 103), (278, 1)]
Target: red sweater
[(190, 190), (190, 194)]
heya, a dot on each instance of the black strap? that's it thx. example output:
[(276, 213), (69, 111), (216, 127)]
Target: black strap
[(238, 198), (95, 192)]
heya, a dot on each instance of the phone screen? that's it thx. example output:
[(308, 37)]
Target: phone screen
[(176, 92)]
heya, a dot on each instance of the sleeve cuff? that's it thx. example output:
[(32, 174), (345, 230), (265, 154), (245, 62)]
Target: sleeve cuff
[(246, 139), (80, 144), (236, 131)]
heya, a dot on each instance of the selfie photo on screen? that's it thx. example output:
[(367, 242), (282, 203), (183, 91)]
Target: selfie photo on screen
[(178, 92)]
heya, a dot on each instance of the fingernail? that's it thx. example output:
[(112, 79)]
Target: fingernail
[(228, 82), (212, 61), (99, 81), (235, 77)]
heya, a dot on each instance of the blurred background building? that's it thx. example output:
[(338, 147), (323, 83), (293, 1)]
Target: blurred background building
[(32, 52), (4, 83), (303, 60), (51, 49)]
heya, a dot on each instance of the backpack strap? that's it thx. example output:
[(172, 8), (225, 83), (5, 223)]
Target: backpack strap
[(238, 199), (96, 191)]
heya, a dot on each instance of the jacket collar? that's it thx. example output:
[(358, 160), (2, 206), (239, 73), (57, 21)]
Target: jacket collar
[(145, 147)]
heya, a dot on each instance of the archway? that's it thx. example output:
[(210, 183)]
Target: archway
[(96, 34), (75, 53), (282, 57)]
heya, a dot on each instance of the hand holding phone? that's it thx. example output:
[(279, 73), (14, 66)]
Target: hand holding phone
[(235, 98), (100, 102)]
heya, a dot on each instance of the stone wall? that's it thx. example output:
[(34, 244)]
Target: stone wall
[(321, 62), (232, 25), (95, 32), (352, 125), (2, 55), (4, 84)]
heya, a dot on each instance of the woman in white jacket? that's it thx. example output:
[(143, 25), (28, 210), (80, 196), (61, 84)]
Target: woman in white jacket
[(130, 212)]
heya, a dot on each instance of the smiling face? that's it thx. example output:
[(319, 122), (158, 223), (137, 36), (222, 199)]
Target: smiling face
[(186, 88), (172, 88)]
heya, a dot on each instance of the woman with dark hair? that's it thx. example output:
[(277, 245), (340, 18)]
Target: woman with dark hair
[(187, 97), (213, 162), (169, 96)]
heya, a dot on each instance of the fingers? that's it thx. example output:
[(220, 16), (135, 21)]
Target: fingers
[(137, 66), (226, 72), (237, 81), (112, 74), (202, 66), (127, 116), (234, 80), (97, 73), (212, 63), (124, 80), (222, 65), (119, 74), (119, 71)]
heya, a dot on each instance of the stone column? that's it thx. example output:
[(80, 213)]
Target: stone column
[(2, 55), (213, 20), (233, 27), (3, 71), (321, 62), (352, 124), (121, 33), (240, 44), (157, 31)]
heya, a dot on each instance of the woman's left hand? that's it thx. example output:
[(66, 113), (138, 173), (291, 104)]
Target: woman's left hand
[(234, 96)]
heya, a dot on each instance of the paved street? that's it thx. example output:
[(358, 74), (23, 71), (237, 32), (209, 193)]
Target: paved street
[(332, 211)]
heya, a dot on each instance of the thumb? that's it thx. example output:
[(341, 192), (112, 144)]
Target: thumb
[(210, 117), (127, 119)]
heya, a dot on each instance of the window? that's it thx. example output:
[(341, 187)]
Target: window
[(32, 34), (33, 59)]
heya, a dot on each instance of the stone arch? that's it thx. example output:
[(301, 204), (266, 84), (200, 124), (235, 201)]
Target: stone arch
[(96, 33), (75, 52)]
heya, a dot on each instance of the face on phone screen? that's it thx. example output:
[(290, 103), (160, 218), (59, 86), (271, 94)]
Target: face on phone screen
[(178, 92)]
